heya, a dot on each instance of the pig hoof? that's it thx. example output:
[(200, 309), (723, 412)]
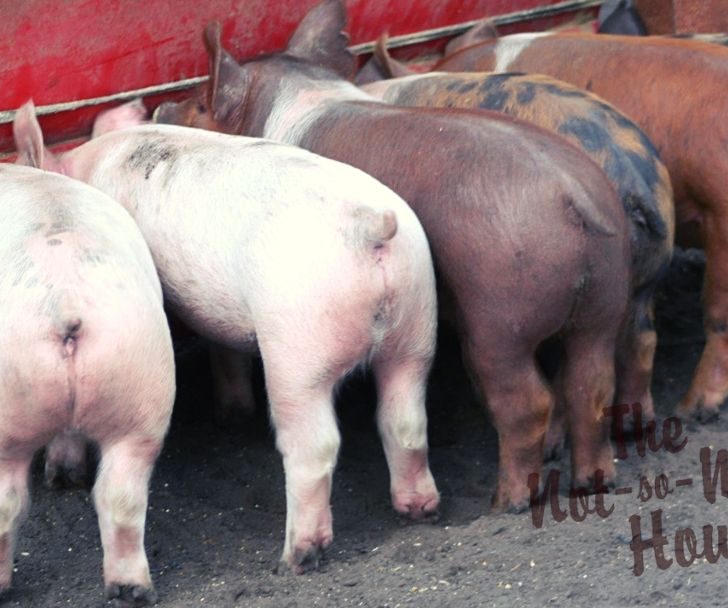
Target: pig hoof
[(594, 484), (706, 415), (510, 507), (420, 508), (516, 508), (130, 596), (304, 560)]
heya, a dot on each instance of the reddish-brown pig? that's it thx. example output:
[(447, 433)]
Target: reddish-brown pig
[(613, 141), (528, 235), (672, 89), (84, 349)]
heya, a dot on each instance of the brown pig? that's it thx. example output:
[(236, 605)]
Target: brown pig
[(528, 236), (673, 90), (612, 140)]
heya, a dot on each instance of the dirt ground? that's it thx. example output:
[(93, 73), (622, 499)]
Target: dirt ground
[(216, 519)]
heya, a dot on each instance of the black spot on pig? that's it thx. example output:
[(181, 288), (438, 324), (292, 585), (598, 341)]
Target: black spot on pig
[(149, 154), (645, 166), (592, 135), (623, 122), (91, 256), (525, 94), (467, 87), (566, 92), (62, 220), (54, 242), (494, 92)]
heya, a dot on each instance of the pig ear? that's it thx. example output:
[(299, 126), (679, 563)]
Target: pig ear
[(228, 84), (28, 137), (371, 71), (391, 67), (320, 38), (480, 32)]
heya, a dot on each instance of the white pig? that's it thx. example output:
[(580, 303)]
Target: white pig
[(84, 349), (314, 262)]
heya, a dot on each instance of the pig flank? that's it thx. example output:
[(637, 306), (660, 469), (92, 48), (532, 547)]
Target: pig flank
[(614, 142), (85, 351), (515, 216), (315, 263), (671, 88)]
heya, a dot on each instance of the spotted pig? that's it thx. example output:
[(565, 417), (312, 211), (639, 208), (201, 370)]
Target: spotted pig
[(612, 140), (528, 235)]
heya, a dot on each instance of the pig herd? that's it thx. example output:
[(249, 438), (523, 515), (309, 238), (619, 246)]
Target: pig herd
[(324, 225)]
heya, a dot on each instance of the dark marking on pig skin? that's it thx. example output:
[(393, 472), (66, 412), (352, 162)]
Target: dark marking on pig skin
[(558, 91), (526, 94), (91, 256), (62, 220), (495, 100), (646, 168), (54, 242), (467, 87), (493, 92), (592, 135), (149, 154), (645, 141)]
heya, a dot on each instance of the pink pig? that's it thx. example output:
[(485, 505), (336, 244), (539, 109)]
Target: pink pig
[(85, 350), (317, 264)]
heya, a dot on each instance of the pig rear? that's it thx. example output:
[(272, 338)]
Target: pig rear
[(85, 349), (315, 262)]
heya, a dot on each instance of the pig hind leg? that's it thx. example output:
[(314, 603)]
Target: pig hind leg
[(401, 375), (14, 500), (521, 404), (635, 356), (589, 380), (308, 438), (120, 496), (126, 411), (709, 386)]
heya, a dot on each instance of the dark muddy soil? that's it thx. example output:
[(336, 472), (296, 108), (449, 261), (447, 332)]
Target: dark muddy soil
[(217, 510)]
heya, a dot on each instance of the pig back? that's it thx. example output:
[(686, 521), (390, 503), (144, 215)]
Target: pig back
[(236, 224), (504, 204)]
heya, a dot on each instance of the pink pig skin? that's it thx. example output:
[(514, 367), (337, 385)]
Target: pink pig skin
[(85, 350)]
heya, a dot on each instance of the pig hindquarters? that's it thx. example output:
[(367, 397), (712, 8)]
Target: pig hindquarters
[(84, 348), (316, 263)]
